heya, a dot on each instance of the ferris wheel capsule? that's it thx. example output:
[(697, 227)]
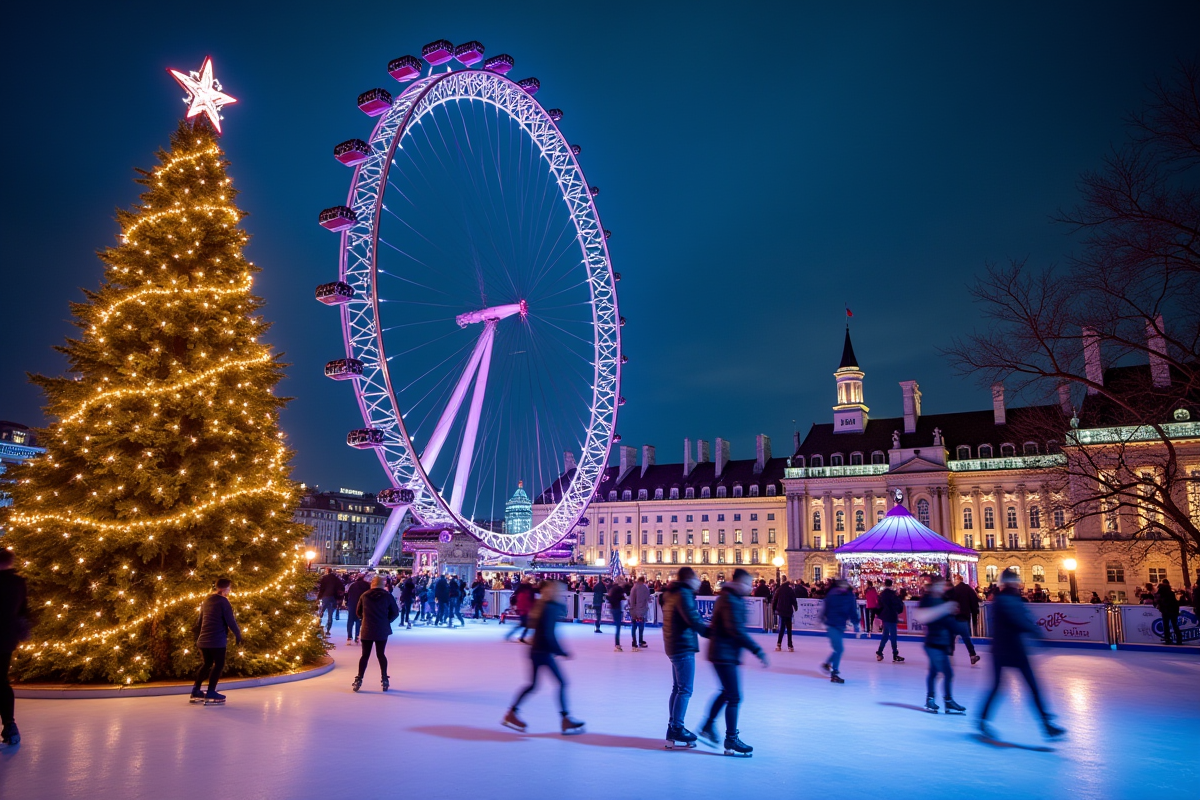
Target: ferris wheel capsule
[(555, 114), (352, 152), (337, 218), (469, 53), (365, 438), (405, 68), (500, 64), (607, 234), (576, 149), (344, 369), (374, 102), (437, 53), (530, 85), (594, 190), (335, 293), (394, 498)]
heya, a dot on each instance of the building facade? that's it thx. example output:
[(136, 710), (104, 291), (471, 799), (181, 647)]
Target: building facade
[(345, 527), (18, 444)]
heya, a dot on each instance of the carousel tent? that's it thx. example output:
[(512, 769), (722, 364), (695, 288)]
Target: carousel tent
[(901, 547)]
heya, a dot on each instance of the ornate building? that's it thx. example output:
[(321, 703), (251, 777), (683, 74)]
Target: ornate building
[(346, 525), (18, 444), (518, 511)]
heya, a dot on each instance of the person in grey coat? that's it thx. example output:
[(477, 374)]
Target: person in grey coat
[(378, 610), (215, 621), (639, 607)]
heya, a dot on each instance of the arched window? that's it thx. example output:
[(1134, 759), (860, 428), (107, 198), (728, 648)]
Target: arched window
[(835, 460), (658, 493), (643, 494), (1007, 450), (855, 459), (816, 461), (968, 519), (816, 526), (720, 491), (798, 461), (754, 490), (1015, 568), (963, 452), (1035, 517), (839, 521), (1030, 448), (705, 492), (989, 519), (985, 451), (612, 496), (770, 490), (689, 493), (991, 573), (923, 511), (737, 490), (859, 521), (627, 494), (1053, 446), (878, 457), (674, 492), (1038, 573), (1011, 517)]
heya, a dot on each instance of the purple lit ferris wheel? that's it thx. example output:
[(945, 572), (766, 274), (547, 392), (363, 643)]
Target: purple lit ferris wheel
[(473, 263)]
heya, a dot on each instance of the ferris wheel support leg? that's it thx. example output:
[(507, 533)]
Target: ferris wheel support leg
[(467, 453), (429, 457), (389, 532)]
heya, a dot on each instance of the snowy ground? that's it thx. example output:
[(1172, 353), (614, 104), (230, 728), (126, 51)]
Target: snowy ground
[(1134, 721)]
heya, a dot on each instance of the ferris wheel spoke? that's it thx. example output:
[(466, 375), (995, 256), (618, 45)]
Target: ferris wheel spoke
[(446, 420), (467, 449)]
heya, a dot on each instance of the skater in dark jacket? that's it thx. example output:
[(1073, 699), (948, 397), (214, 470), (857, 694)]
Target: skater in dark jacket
[(408, 593), (727, 639), (785, 607), (545, 648), (889, 611), (968, 606), (839, 608), (616, 603), (1010, 623), (378, 610), (478, 591), (1168, 606), (681, 625), (936, 612), (598, 593), (353, 592), (14, 629), (329, 593), (213, 625), (441, 594)]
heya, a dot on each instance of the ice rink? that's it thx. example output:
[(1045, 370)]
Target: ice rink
[(1134, 721)]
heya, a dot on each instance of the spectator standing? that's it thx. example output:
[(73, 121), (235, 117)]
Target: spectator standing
[(785, 605), (871, 597), (15, 625), (213, 625), (1168, 606)]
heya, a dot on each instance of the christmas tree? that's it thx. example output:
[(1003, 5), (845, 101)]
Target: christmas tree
[(165, 469)]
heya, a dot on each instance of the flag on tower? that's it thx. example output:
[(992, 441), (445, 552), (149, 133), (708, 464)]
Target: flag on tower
[(849, 313)]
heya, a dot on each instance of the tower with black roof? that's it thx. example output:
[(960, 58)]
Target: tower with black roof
[(850, 412)]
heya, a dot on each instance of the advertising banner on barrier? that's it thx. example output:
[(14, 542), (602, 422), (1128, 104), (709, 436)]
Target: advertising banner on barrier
[(907, 623), (1071, 622), (1144, 625), (808, 615), (569, 600)]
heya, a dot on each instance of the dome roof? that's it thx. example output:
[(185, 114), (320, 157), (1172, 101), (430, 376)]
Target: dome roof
[(899, 532)]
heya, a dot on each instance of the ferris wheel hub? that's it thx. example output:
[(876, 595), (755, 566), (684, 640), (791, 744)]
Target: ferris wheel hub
[(493, 314)]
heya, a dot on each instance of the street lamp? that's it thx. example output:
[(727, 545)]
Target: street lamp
[(600, 562), (778, 562), (309, 556), (1070, 564)]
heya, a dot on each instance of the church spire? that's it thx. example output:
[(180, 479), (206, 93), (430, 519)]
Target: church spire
[(848, 359), (850, 412)]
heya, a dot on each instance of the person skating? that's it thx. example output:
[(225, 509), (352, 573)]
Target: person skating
[(839, 608), (681, 625), (457, 591), (598, 593), (616, 604), (478, 591), (639, 607), (15, 624), (889, 611), (1168, 606), (441, 596), (936, 612), (871, 604), (214, 623), (968, 606), (523, 600), (378, 610), (408, 593), (543, 653), (329, 594), (353, 592), (727, 639), (785, 606), (1010, 623)]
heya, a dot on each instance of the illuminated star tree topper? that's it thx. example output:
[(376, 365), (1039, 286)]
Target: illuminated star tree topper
[(204, 92)]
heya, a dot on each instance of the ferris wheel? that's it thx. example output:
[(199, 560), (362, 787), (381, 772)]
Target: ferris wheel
[(473, 262)]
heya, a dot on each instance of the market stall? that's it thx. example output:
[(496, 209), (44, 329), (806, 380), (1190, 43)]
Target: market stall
[(901, 548)]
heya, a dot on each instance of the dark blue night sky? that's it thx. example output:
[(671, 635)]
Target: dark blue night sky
[(761, 165)]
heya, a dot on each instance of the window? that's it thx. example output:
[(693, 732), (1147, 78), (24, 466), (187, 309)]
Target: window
[(601, 520), (675, 518), (818, 542), (817, 461), (645, 537), (674, 492), (754, 490), (841, 539), (879, 515), (839, 520), (855, 459), (689, 518), (754, 536), (704, 517), (704, 537), (860, 524), (968, 519), (878, 457), (658, 518), (816, 572), (720, 491), (643, 494), (1061, 540), (691, 536), (1038, 573), (628, 520), (835, 460), (991, 572), (754, 555), (816, 526), (923, 511), (989, 541), (737, 517), (737, 490), (770, 536), (963, 452), (969, 540), (720, 517), (646, 519), (1016, 568), (1158, 574), (582, 538), (989, 519), (644, 559), (1011, 517), (720, 556), (770, 490), (1030, 448), (689, 493), (674, 556), (705, 492), (601, 537), (628, 537), (658, 537), (985, 451), (754, 517), (737, 536), (1035, 517), (704, 556), (627, 495), (1114, 572), (1007, 450), (720, 536), (658, 556), (1060, 518), (658, 494), (771, 517), (1014, 541), (674, 537), (737, 556), (691, 558)]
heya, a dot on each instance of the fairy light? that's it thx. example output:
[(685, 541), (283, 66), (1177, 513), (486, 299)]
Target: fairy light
[(176, 211)]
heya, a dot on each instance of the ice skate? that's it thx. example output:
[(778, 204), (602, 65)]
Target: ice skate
[(897, 658), (835, 678), (357, 684), (778, 648), (1052, 731), (197, 696), (791, 649), (511, 720), (736, 747), (974, 660), (618, 649), (386, 683), (709, 733), (879, 656), (827, 667), (571, 726), (931, 706), (953, 707), (986, 731), (214, 699), (10, 735), (349, 640), (680, 738)]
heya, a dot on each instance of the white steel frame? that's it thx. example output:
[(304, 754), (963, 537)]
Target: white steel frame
[(405, 466)]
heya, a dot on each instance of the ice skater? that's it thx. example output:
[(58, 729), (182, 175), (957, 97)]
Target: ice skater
[(478, 591), (408, 593), (1168, 606), (639, 607), (215, 621), (353, 622), (15, 625), (329, 594), (889, 611), (1010, 624), (598, 593), (936, 613), (840, 608), (727, 639), (968, 607), (785, 606), (681, 626), (523, 600), (616, 603), (378, 610), (544, 652)]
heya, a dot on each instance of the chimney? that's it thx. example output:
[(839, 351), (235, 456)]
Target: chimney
[(762, 452), (795, 441), (912, 405), (568, 461), (722, 456), (702, 454), (1064, 399), (647, 457), (998, 403), (689, 463), (628, 460), (1160, 371), (1091, 359)]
